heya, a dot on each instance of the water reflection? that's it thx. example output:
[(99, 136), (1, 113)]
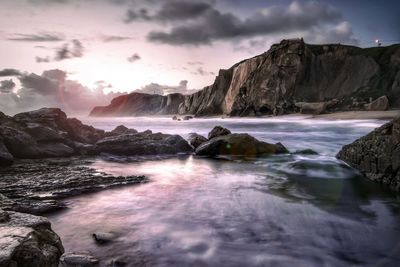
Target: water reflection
[(276, 211)]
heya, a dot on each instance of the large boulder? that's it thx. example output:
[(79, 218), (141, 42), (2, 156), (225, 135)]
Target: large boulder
[(121, 129), (196, 140), (312, 108), (238, 145), (28, 240), (145, 143), (379, 104), (218, 131), (377, 155)]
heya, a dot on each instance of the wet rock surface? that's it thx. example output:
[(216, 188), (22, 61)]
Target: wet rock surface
[(78, 259), (28, 240), (377, 155), (37, 187), (218, 131), (238, 145), (196, 140), (48, 133)]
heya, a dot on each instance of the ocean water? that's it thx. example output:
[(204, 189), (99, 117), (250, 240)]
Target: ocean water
[(282, 210)]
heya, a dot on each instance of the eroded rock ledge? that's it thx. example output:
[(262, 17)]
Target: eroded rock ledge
[(377, 155)]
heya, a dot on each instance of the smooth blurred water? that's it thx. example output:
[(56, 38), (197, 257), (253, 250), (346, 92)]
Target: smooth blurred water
[(284, 210)]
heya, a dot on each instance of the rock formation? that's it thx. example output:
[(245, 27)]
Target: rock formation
[(28, 240), (48, 133), (377, 155), (273, 82)]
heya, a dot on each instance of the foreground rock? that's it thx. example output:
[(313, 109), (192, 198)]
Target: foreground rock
[(28, 240), (48, 133), (37, 187), (238, 145), (78, 259), (377, 155)]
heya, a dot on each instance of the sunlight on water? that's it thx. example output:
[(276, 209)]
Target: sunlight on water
[(284, 210)]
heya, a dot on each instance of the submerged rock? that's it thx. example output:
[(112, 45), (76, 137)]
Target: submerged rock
[(186, 118), (306, 152), (377, 155), (218, 131), (196, 140), (240, 145), (78, 259), (104, 237), (28, 240)]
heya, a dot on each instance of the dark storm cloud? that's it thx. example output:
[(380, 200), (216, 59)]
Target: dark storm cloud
[(215, 25), (135, 57), (70, 50), (173, 10), (9, 72), (7, 86), (40, 37)]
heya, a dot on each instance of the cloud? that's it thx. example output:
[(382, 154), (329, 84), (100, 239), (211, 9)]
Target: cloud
[(174, 10), (214, 25), (155, 88), (114, 38), (70, 50), (42, 59), (6, 86), (53, 89), (9, 72), (195, 63), (202, 72), (40, 37), (135, 57)]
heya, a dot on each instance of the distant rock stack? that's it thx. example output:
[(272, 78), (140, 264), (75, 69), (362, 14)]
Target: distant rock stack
[(377, 155)]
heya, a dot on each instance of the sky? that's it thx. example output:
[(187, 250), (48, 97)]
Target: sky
[(56, 51)]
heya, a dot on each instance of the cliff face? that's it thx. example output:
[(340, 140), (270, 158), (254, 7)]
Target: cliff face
[(273, 82)]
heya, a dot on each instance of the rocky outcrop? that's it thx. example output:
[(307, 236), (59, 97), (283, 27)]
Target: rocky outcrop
[(196, 140), (145, 143), (238, 145), (377, 155), (273, 82), (218, 131), (139, 104), (28, 240), (78, 259), (380, 104), (48, 133)]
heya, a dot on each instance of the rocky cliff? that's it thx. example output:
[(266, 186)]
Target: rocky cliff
[(273, 82)]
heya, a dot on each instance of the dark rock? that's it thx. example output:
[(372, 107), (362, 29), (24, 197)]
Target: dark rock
[(186, 118), (379, 104), (196, 140), (145, 143), (104, 237), (78, 259), (53, 180), (306, 152), (377, 155), (218, 131), (121, 129), (4, 216), (174, 118), (27, 240), (240, 145)]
